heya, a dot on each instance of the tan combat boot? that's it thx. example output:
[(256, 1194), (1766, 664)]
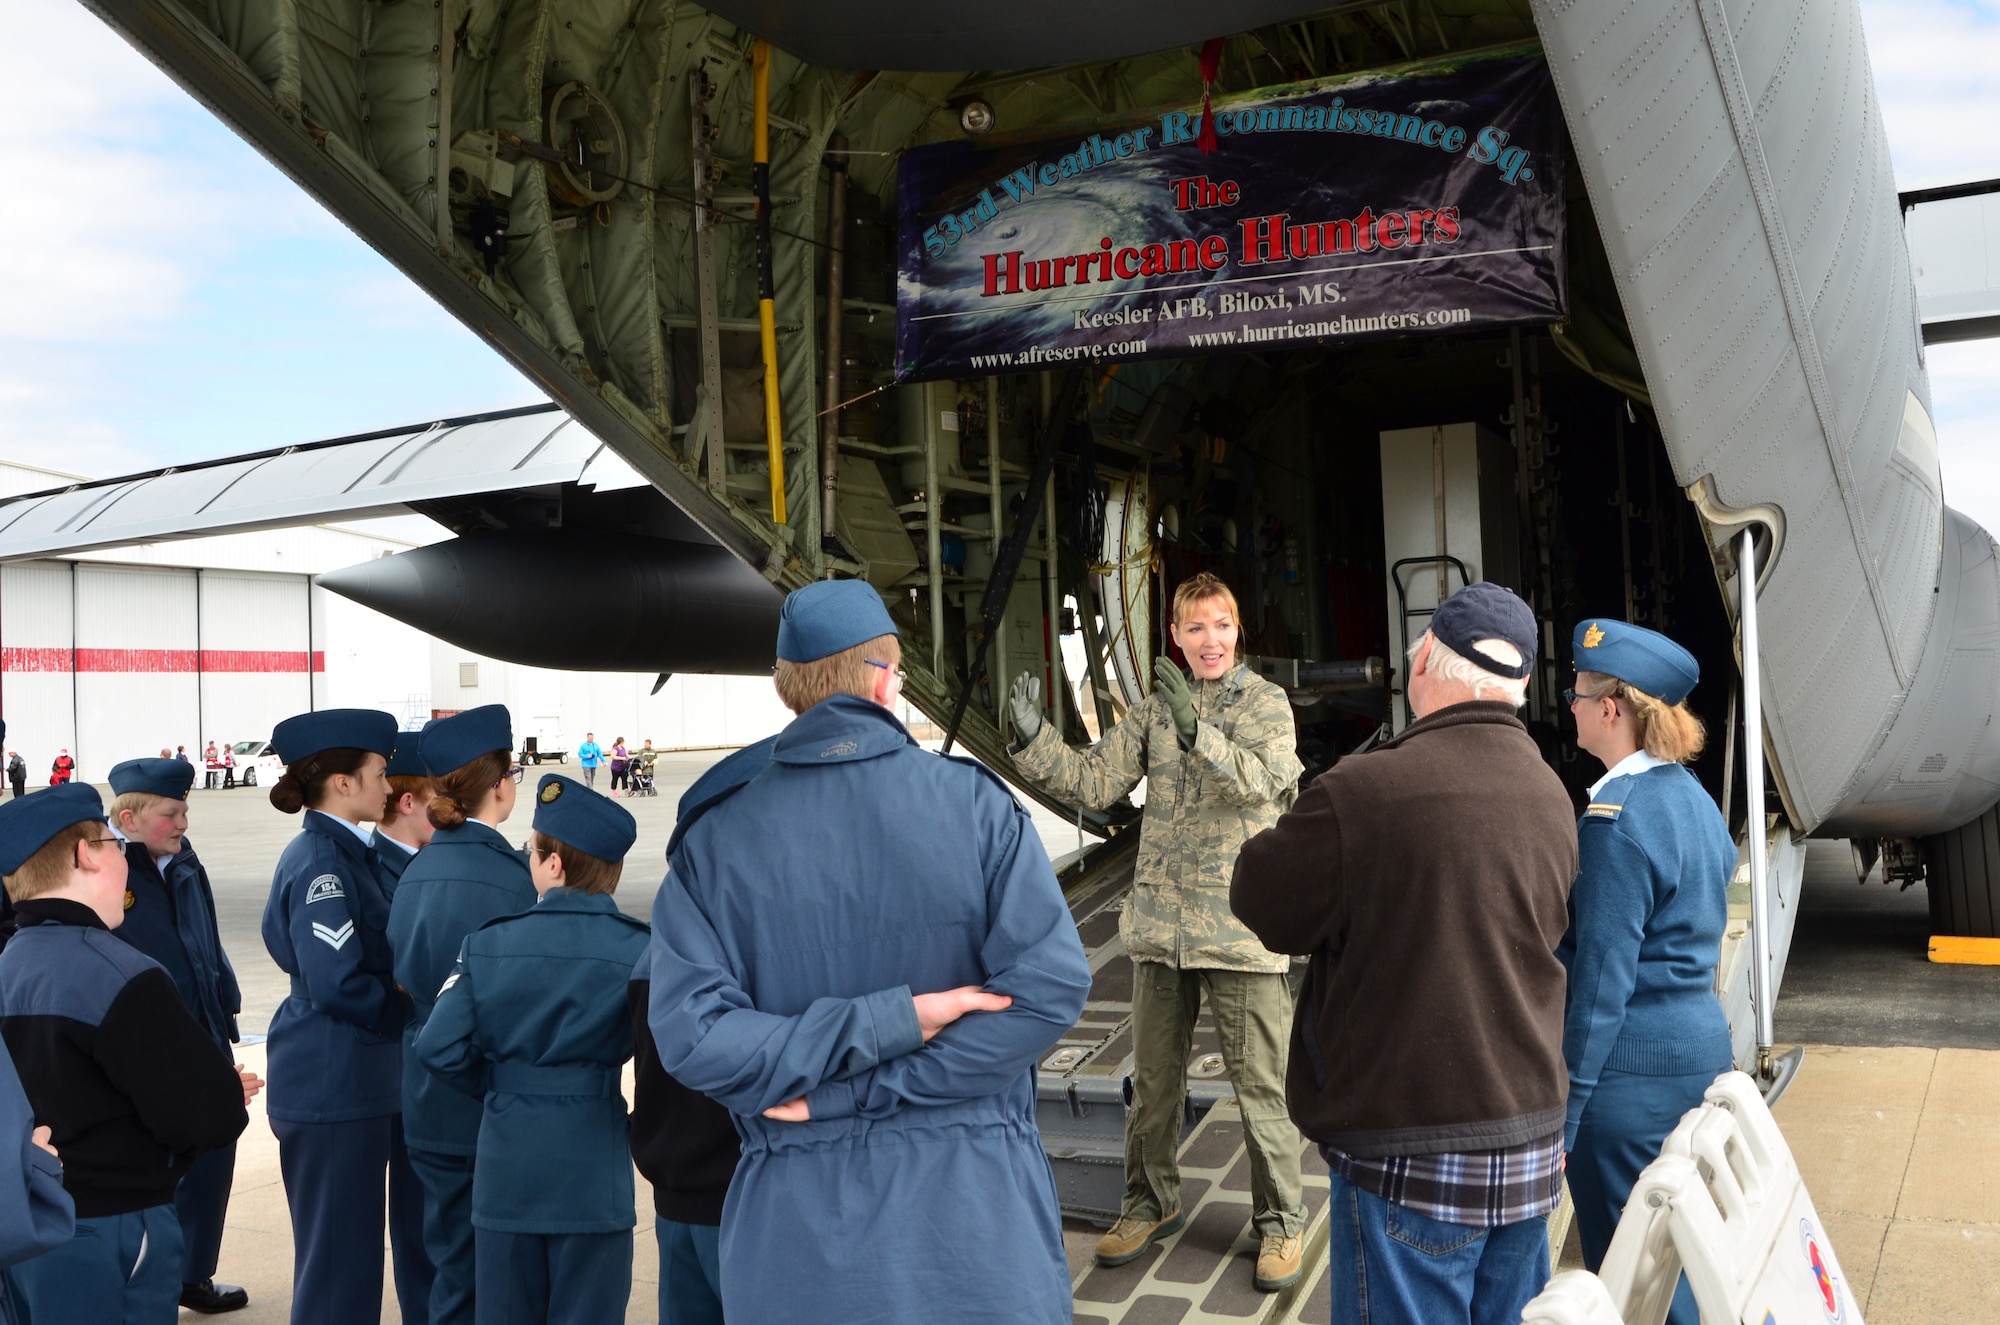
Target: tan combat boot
[(1132, 1235), (1279, 1262)]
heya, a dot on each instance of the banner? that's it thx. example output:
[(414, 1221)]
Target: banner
[(1333, 211)]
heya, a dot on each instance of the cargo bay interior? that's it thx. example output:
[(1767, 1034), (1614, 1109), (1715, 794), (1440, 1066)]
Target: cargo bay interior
[(1334, 487)]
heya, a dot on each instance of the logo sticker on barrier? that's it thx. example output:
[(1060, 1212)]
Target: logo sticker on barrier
[(1816, 1261)]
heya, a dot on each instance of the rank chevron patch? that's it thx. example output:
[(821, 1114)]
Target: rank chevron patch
[(335, 938)]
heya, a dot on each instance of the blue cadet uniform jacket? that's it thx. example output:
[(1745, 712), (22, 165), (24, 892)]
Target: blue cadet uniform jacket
[(798, 916), (533, 1018), (335, 1047), (36, 1214), (1647, 914), (467, 876), (172, 920), (391, 859)]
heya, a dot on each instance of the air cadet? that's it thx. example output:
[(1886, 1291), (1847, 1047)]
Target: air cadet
[(404, 827), (36, 1214), (1644, 1035), (170, 916), (533, 1018), (133, 1087), (883, 1137), (468, 875), (336, 1043), (1220, 767)]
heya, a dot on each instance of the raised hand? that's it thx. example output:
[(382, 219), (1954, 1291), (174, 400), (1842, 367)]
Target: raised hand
[(1025, 703), (1170, 685)]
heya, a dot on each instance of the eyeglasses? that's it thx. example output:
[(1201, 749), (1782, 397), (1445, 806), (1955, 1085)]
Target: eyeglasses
[(887, 667), (529, 849), (1571, 696), (514, 774), (100, 841)]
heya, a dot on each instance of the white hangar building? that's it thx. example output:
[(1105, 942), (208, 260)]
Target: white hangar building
[(124, 651)]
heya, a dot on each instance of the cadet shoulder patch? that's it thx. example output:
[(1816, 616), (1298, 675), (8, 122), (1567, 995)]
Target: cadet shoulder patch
[(551, 793), (1601, 810), (324, 888)]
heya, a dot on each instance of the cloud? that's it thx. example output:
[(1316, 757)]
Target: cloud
[(1937, 72), (170, 295)]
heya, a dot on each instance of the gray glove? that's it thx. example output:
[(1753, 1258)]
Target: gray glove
[(1026, 705), (1171, 686)]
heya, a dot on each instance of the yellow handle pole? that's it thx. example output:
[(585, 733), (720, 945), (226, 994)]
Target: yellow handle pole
[(767, 315)]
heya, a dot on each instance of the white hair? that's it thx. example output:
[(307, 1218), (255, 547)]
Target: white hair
[(1456, 669)]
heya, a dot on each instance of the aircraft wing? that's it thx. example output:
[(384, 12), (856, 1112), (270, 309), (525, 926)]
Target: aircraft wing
[(380, 473)]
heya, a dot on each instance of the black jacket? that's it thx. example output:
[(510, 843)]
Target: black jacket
[(683, 1142), (132, 1086)]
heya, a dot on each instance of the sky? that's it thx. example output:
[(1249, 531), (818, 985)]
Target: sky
[(169, 296)]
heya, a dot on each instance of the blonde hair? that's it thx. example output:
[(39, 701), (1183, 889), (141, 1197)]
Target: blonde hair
[(849, 672), (48, 869), (138, 802), (1666, 731), (1450, 665), (1199, 588), (582, 872)]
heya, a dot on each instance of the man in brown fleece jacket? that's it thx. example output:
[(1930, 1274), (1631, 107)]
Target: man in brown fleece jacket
[(1428, 880)]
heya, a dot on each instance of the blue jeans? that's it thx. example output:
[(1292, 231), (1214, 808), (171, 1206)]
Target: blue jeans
[(1389, 1265), (117, 1270), (690, 1273)]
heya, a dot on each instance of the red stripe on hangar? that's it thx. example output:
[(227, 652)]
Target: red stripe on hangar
[(54, 658)]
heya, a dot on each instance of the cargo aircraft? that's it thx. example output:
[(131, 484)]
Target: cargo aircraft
[(1024, 314)]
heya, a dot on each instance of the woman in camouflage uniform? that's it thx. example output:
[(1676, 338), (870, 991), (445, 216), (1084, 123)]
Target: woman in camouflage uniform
[(1219, 762)]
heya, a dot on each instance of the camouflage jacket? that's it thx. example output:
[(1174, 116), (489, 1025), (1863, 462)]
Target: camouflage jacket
[(1202, 804)]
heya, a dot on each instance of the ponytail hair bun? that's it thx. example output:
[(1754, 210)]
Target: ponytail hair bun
[(464, 792)]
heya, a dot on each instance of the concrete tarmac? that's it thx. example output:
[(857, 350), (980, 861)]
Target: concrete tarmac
[(1894, 1118)]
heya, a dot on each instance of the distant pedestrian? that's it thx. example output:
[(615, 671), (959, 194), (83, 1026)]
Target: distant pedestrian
[(621, 760), (591, 755), (17, 773), (181, 753), (62, 770)]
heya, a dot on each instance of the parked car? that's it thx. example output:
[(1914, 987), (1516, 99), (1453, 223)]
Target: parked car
[(256, 763)]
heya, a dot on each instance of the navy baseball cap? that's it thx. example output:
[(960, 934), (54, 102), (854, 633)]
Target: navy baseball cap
[(408, 759), (306, 735), (28, 822), (1643, 659), (456, 741), (1485, 610), (830, 615), (156, 777), (574, 814)]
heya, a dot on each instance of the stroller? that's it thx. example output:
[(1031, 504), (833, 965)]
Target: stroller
[(639, 774)]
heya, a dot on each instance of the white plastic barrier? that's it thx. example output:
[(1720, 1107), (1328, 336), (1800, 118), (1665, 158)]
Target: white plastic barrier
[(1724, 1201)]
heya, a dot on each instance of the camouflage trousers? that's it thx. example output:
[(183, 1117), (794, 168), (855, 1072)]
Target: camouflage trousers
[(1253, 1016)]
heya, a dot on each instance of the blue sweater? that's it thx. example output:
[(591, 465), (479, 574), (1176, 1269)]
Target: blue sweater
[(1646, 921)]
